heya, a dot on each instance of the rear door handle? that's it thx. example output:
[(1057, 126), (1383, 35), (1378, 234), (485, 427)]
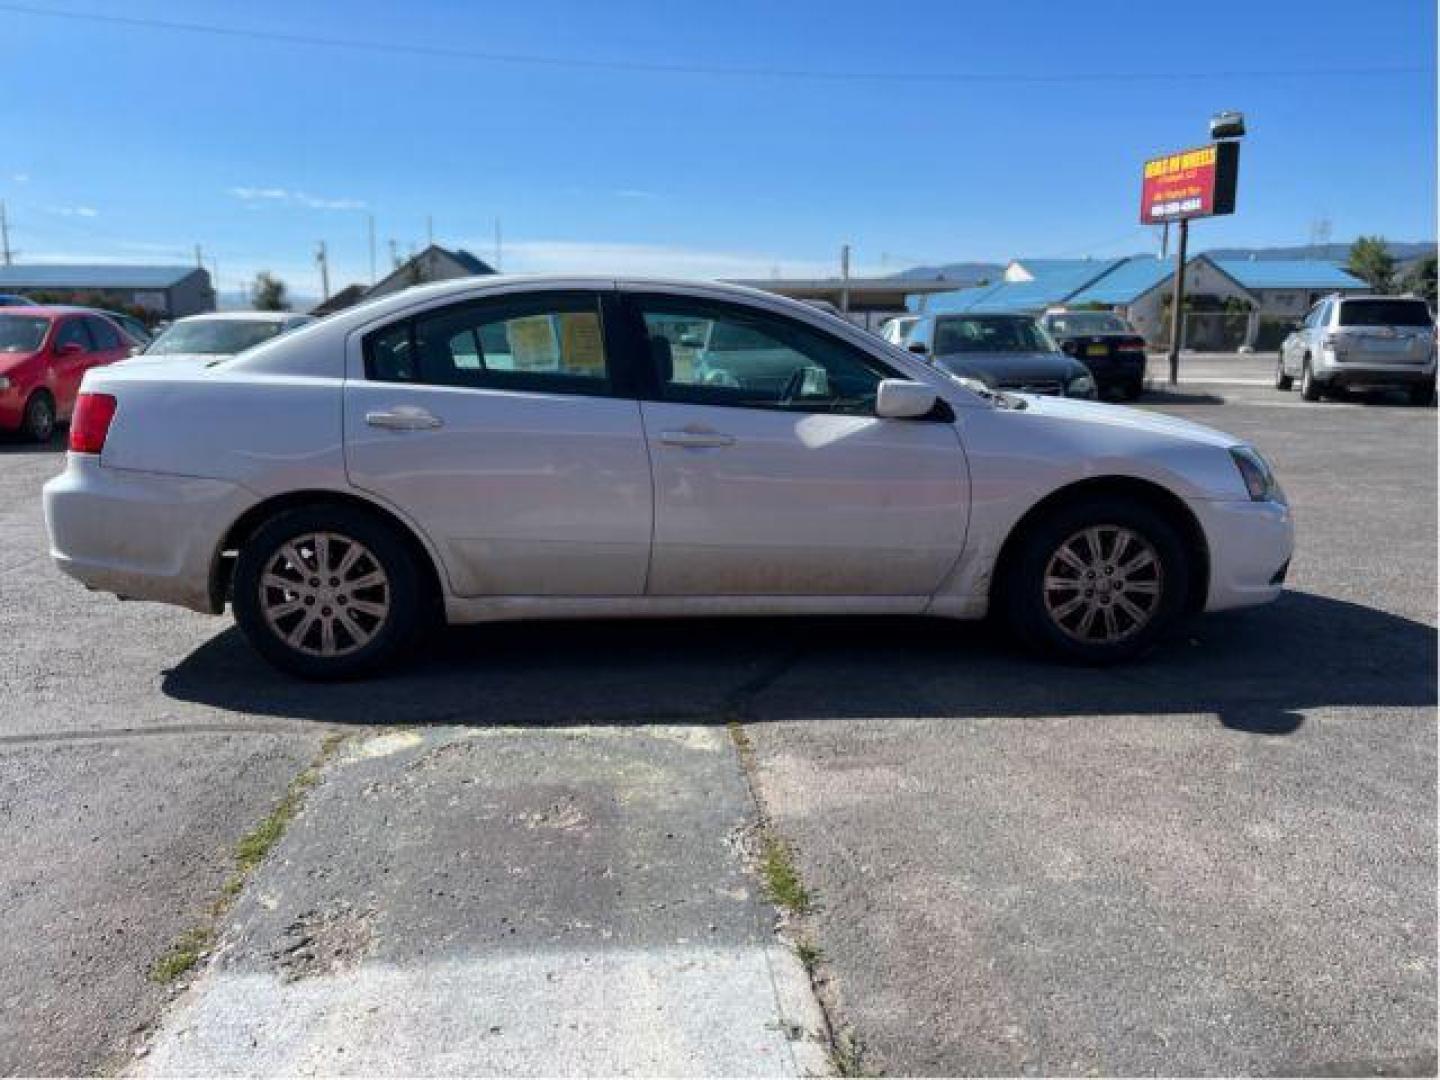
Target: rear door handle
[(404, 418), (696, 439)]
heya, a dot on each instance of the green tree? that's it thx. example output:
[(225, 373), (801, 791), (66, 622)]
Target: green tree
[(268, 293), (1371, 261), (1421, 278)]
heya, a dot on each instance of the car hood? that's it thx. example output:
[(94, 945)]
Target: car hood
[(1012, 366), (11, 360), (1139, 420)]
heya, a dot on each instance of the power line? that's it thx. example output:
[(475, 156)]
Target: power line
[(655, 68)]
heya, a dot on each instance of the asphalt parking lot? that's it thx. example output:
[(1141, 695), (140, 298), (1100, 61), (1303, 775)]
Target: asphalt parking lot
[(1220, 860)]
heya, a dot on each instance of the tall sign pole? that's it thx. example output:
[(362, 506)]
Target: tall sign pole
[(1195, 183), (1177, 303)]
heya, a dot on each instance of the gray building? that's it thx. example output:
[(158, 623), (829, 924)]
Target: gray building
[(167, 292), (435, 263)]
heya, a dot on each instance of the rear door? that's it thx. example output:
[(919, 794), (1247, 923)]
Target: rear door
[(773, 476), (71, 354), (502, 427), (110, 343)]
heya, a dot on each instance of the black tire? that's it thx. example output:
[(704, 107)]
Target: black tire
[(38, 423), (1023, 594), (1282, 381), (1131, 391), (1422, 394), (402, 594), (1310, 388)]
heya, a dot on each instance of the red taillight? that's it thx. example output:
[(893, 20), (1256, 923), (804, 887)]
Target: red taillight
[(1134, 345), (91, 422)]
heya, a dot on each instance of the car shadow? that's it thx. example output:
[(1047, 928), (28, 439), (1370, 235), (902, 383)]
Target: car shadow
[(1257, 671), (13, 443), (1158, 394)]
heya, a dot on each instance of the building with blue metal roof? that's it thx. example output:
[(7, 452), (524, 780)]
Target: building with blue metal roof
[(166, 291), (1137, 287)]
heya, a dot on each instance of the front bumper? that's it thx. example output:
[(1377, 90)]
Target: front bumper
[(142, 536), (1250, 548)]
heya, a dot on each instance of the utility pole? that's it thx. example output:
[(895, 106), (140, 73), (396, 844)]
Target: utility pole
[(5, 235), (324, 271), (199, 257), (845, 278), (1177, 303), (429, 231), (394, 255), (370, 223)]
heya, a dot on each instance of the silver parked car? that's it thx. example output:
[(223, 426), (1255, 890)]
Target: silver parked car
[(1354, 341)]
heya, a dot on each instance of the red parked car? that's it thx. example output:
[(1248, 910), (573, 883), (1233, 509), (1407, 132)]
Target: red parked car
[(44, 353)]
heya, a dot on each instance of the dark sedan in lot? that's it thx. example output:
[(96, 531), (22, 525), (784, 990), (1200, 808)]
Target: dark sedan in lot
[(1110, 347), (1001, 351)]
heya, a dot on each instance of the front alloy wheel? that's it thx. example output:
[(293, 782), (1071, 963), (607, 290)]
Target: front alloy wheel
[(327, 592), (1103, 585), (1096, 581)]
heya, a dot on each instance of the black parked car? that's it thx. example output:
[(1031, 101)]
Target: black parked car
[(1110, 347), (1002, 350)]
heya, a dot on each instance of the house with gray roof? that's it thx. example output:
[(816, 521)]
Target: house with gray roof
[(166, 291)]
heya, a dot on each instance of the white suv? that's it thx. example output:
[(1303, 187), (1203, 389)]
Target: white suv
[(1346, 341)]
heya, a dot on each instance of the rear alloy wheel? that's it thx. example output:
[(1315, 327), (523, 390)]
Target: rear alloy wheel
[(326, 592), (1282, 381), (1309, 388), (1097, 582), (39, 422)]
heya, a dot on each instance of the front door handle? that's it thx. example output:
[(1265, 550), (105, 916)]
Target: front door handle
[(404, 418), (696, 439)]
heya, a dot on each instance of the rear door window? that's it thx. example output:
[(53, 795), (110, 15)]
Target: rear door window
[(551, 342), (73, 331)]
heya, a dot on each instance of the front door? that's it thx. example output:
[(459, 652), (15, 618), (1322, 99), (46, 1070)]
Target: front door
[(773, 476), (498, 427)]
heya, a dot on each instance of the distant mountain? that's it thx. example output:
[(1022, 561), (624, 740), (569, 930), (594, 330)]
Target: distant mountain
[(962, 273), (1404, 251)]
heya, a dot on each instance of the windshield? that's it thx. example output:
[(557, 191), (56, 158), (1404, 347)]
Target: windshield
[(213, 336), (1088, 322), (990, 333), (1384, 313), (22, 333)]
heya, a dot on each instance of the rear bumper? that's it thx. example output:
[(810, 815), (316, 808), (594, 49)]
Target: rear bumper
[(1372, 374), (1250, 548), (143, 536)]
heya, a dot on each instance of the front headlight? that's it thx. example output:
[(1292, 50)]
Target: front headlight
[(1259, 478), (4, 383), (1082, 386)]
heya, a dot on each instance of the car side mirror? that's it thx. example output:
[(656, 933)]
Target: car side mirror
[(70, 348), (917, 347), (901, 399)]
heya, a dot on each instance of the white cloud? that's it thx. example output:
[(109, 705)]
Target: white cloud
[(636, 193), (258, 195), (580, 257), (74, 211), (20, 177)]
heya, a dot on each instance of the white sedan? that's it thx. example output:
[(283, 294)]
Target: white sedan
[(221, 333), (515, 448)]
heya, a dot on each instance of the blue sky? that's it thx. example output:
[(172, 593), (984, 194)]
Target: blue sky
[(958, 131)]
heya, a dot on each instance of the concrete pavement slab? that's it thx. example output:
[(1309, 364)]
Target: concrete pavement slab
[(506, 901)]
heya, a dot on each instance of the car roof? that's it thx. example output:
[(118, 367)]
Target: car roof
[(242, 316), (46, 310)]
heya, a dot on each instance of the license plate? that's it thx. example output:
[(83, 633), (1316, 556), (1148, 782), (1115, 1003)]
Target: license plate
[(1097, 350)]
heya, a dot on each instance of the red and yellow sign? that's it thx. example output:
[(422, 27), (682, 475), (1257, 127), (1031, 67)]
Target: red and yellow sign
[(1199, 182)]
